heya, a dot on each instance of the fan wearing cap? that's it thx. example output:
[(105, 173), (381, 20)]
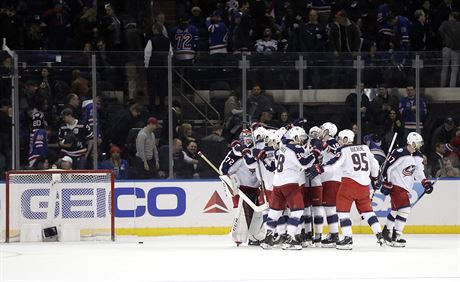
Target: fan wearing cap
[(344, 35), (75, 139), (65, 163), (119, 166), (445, 132), (146, 150), (38, 142)]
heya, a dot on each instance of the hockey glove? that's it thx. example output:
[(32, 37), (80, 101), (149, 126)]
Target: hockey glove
[(261, 155), (234, 143), (314, 171), (386, 188), (376, 183), (428, 185), (246, 151), (316, 153)]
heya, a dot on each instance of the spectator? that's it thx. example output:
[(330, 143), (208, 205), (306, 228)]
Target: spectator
[(123, 121), (73, 103), (57, 22), (156, 61), (344, 35), (426, 168), (66, 163), (451, 153), (75, 139), (455, 142), (350, 105), (447, 169), (266, 117), (445, 132), (191, 168), (257, 101), (393, 124), (450, 34), (408, 109), (161, 20), (419, 34), (284, 119), (385, 30), (148, 162), (374, 142), (38, 143), (381, 106), (214, 147), (314, 34), (11, 28), (79, 85), (197, 19), (185, 41), (180, 160), (266, 45), (186, 133), (435, 162), (87, 26), (324, 9), (241, 29), (401, 32), (217, 33), (232, 105), (119, 166), (111, 29)]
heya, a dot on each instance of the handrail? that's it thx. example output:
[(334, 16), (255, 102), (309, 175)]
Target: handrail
[(193, 105), (198, 94)]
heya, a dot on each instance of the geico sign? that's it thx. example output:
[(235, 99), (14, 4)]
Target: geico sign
[(94, 202)]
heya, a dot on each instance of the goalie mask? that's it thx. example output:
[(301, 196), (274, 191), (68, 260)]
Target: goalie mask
[(346, 137), (297, 134), (415, 140), (246, 137), (328, 129)]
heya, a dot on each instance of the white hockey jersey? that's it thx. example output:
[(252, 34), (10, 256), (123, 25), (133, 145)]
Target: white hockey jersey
[(267, 165), (234, 164), (292, 161), (356, 162), (403, 167), (328, 154)]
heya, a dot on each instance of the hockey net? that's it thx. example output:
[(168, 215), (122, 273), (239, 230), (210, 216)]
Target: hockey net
[(77, 199)]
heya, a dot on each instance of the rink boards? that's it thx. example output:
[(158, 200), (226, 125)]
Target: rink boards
[(149, 208)]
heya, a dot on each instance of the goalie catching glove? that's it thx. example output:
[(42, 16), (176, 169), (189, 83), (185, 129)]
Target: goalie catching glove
[(427, 185)]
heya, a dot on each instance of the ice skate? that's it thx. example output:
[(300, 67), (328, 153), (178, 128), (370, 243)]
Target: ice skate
[(330, 241), (317, 240), (380, 239), (267, 243), (345, 244), (397, 241), (386, 235), (291, 244)]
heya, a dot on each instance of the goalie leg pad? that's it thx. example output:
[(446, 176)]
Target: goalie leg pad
[(240, 226)]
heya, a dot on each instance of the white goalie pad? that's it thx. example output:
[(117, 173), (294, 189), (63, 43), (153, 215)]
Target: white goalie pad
[(257, 227), (231, 182)]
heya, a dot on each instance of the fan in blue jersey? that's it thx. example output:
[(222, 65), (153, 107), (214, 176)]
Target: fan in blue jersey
[(185, 40), (38, 144), (217, 33)]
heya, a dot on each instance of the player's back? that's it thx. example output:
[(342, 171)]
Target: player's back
[(356, 162), (287, 167)]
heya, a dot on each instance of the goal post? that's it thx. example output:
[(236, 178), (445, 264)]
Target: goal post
[(65, 205)]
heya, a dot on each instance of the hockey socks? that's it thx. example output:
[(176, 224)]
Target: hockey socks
[(373, 222), (345, 223), (332, 219)]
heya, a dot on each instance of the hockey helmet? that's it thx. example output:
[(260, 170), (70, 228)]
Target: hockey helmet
[(346, 136), (415, 140), (260, 133), (297, 134), (314, 132), (328, 128)]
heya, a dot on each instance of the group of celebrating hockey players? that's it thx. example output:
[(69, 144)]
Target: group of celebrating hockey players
[(284, 182)]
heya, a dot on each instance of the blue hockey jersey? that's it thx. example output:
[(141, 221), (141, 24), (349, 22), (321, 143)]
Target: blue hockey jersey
[(38, 145), (185, 42), (217, 37)]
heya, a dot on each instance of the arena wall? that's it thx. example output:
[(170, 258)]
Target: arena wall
[(152, 208)]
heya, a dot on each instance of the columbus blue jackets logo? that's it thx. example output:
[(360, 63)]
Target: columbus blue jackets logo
[(409, 171)]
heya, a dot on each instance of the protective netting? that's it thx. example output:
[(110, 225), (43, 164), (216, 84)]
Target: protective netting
[(75, 199)]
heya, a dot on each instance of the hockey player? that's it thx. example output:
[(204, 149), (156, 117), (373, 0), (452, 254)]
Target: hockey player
[(404, 164), (313, 200), (357, 164), (244, 181), (38, 142), (331, 183), (292, 160)]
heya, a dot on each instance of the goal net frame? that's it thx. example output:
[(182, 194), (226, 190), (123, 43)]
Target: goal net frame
[(10, 173)]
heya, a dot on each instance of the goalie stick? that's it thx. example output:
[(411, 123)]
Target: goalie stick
[(243, 196)]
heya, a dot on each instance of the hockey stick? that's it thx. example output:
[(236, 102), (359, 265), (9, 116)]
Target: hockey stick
[(229, 190), (385, 162)]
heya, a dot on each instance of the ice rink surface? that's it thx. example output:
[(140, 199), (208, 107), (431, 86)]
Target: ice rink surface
[(216, 258)]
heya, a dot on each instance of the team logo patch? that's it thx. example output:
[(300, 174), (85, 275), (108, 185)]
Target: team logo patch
[(75, 131), (409, 171)]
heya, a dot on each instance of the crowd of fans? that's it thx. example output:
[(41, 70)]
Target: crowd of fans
[(57, 120)]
